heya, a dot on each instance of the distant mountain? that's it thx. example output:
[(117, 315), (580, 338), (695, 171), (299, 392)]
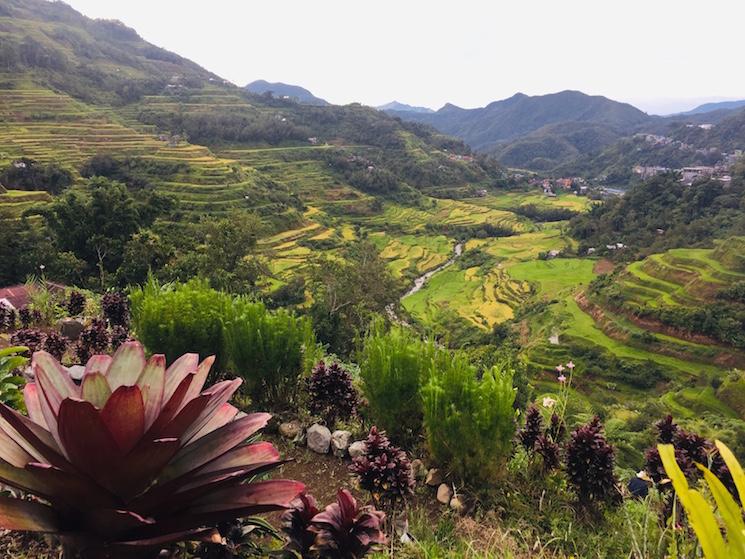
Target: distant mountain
[(710, 107), (283, 90), (539, 132), (395, 107), (521, 114)]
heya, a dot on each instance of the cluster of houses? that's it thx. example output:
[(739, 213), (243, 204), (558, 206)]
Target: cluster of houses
[(689, 175), (565, 184)]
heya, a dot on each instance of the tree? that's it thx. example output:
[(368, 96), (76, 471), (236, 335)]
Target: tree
[(348, 292)]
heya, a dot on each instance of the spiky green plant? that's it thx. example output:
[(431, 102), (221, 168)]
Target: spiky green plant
[(11, 361), (134, 458), (469, 421)]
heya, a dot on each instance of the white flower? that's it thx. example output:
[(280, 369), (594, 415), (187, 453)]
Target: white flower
[(560, 368), (570, 365), (548, 402)]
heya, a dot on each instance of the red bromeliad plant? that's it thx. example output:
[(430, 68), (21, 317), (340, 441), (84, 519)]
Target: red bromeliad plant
[(135, 458)]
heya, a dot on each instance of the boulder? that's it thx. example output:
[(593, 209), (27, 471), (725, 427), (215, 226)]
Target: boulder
[(357, 448), (71, 328), (444, 494), (340, 441), (434, 478), (319, 438), (290, 429)]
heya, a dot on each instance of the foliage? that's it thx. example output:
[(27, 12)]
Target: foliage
[(174, 318), (469, 421), (701, 514), (393, 367), (119, 335), (384, 470), (347, 293), (344, 530), (266, 348), (115, 307), (331, 394), (7, 318), (55, 344), (30, 338), (11, 361), (589, 465), (75, 303), (528, 435), (28, 317), (93, 339), (136, 457), (27, 174)]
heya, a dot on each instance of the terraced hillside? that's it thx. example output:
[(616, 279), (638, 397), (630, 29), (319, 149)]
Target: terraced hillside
[(47, 126)]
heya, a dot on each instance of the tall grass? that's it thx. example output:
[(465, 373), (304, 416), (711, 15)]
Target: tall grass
[(469, 421)]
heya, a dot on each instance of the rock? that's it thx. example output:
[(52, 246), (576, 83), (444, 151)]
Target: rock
[(71, 328), (76, 372), (458, 504), (319, 438), (357, 449), (444, 494), (418, 469), (434, 478), (340, 443), (290, 429)]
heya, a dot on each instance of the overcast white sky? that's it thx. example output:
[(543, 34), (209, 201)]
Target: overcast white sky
[(661, 55)]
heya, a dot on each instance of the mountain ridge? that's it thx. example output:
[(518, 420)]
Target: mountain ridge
[(280, 89)]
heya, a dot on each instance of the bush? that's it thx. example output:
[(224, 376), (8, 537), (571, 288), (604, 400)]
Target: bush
[(267, 349), (175, 319), (75, 303), (115, 307), (384, 470), (331, 393), (470, 422), (393, 367), (589, 462)]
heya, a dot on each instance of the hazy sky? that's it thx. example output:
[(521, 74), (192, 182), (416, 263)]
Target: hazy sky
[(662, 55)]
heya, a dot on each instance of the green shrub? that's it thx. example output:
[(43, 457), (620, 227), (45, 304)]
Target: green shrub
[(393, 366), (267, 349), (469, 422), (174, 319), (11, 381)]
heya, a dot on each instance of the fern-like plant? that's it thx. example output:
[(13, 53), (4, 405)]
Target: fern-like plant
[(11, 362), (700, 512), (469, 421)]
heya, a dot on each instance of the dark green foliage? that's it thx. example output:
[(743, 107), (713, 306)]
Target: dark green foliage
[(589, 465), (12, 362), (267, 349), (55, 344), (469, 421), (546, 214), (135, 172), (735, 292), (722, 321), (94, 340), (115, 307), (75, 303), (393, 366), (174, 319), (27, 174), (348, 293), (331, 394), (384, 470), (689, 215)]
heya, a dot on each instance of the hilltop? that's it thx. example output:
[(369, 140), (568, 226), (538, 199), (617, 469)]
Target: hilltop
[(285, 91)]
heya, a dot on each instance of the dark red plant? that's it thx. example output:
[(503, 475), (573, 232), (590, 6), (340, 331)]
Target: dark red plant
[(384, 470), (556, 430), (115, 306), (94, 339), (533, 428), (28, 317), (589, 464), (346, 531), (119, 335), (296, 523), (332, 395), (75, 303), (666, 429), (7, 318), (135, 458), (31, 338), (55, 344), (549, 451)]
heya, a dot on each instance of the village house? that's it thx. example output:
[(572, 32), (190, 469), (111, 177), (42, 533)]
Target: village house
[(688, 175)]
